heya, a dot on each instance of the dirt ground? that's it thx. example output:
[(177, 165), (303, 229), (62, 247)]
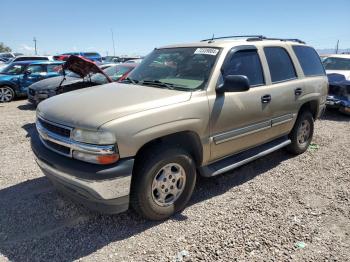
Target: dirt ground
[(278, 208)]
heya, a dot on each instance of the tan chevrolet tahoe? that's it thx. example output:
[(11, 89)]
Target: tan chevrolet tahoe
[(202, 108)]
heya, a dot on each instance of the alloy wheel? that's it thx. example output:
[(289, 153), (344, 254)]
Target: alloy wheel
[(6, 94), (168, 184)]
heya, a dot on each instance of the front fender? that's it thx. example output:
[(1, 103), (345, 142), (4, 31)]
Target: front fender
[(134, 131)]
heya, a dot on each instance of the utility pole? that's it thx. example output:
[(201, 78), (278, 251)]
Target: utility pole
[(34, 39), (113, 42), (337, 47)]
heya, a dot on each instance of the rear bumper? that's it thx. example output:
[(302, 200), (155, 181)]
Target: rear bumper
[(101, 188)]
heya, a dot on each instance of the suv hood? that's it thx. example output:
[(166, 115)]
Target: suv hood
[(83, 67), (92, 107)]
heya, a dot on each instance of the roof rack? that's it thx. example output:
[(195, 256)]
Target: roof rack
[(233, 36), (254, 38)]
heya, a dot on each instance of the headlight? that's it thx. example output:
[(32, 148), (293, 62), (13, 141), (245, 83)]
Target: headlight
[(93, 137)]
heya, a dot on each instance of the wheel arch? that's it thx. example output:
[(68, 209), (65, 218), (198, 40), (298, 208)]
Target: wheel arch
[(312, 106), (188, 140)]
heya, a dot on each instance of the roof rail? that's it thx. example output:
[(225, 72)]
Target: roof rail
[(283, 39), (254, 38), (234, 36)]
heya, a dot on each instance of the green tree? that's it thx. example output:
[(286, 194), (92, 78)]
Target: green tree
[(4, 48)]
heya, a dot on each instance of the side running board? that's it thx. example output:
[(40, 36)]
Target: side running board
[(237, 160)]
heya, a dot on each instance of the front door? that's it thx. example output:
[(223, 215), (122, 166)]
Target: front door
[(33, 73), (240, 120)]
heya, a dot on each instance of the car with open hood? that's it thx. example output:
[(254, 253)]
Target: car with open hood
[(79, 73), (201, 108), (17, 76), (339, 93)]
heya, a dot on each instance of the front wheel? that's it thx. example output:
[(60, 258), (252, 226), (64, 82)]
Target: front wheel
[(163, 183), (6, 94), (301, 134)]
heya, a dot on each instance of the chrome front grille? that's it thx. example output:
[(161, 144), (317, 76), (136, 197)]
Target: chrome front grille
[(55, 128), (54, 136)]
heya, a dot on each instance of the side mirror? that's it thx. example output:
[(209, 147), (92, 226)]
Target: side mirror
[(28, 72), (234, 83)]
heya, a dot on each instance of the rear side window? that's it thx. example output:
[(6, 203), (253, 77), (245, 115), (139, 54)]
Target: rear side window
[(309, 60), (280, 65), (247, 63)]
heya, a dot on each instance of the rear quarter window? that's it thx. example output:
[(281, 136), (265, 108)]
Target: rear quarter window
[(309, 60), (280, 64)]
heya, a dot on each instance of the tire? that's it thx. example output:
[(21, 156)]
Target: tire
[(6, 94), (301, 134), (148, 186)]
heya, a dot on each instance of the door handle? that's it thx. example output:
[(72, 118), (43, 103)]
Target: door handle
[(266, 99), (298, 91)]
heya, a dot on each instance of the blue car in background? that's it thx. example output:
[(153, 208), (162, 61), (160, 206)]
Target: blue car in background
[(17, 76), (93, 56)]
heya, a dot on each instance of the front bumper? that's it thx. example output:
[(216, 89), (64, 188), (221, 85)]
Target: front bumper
[(102, 188)]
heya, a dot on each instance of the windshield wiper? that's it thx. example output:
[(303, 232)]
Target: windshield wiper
[(133, 81), (163, 84)]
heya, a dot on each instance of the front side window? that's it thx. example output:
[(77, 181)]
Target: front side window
[(336, 63), (186, 68), (280, 65), (247, 63), (37, 69), (309, 60)]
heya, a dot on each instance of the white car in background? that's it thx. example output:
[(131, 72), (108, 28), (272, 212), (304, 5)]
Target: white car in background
[(338, 64)]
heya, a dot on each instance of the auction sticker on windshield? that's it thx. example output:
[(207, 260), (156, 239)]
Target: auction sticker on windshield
[(206, 51)]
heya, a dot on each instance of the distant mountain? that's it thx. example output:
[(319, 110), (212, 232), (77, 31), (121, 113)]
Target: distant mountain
[(331, 51)]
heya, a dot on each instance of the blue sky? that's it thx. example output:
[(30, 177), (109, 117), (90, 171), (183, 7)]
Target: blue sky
[(139, 26)]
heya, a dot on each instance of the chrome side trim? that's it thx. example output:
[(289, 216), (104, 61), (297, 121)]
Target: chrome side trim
[(70, 143), (282, 119), (236, 133), (247, 160)]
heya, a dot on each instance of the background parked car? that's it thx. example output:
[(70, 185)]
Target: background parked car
[(17, 76), (93, 56), (8, 55), (31, 58), (88, 75), (338, 64)]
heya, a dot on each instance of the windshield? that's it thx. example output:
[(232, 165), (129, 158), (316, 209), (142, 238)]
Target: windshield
[(186, 68), (336, 63), (13, 69), (116, 72)]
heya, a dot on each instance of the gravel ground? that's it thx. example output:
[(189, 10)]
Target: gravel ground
[(277, 208)]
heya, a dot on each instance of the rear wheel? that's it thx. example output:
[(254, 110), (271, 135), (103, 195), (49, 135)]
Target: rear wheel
[(302, 133), (6, 94), (163, 183)]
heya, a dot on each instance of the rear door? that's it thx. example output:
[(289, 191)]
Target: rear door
[(284, 88)]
